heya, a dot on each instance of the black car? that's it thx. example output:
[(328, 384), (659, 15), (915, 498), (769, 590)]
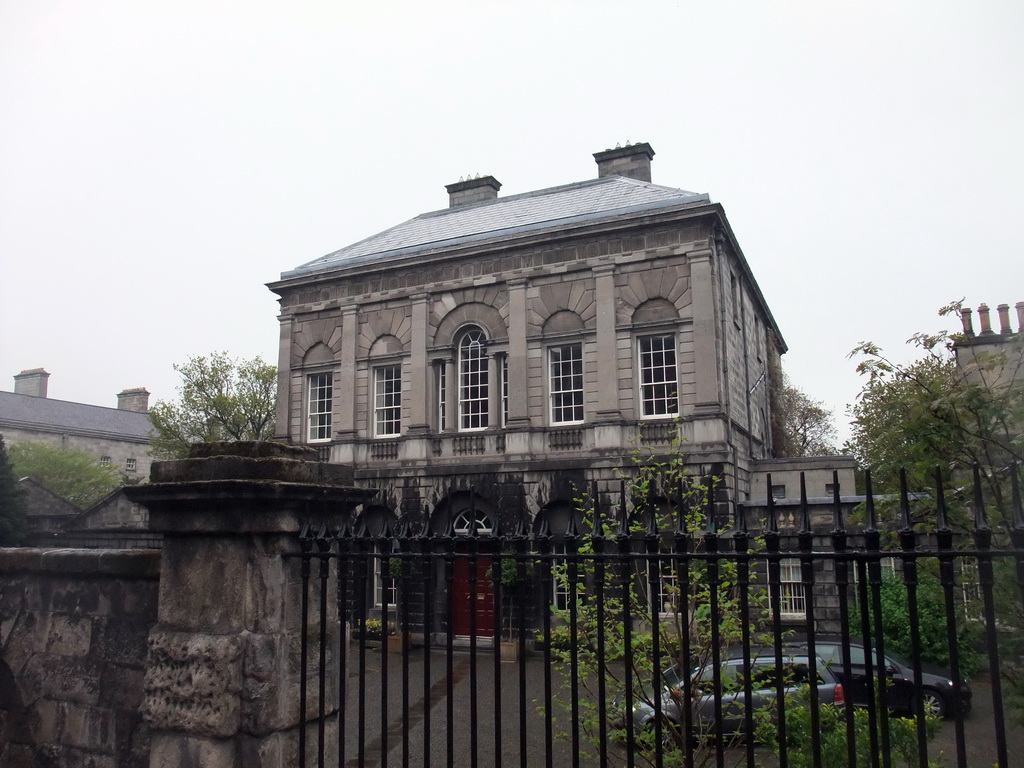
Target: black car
[(937, 688)]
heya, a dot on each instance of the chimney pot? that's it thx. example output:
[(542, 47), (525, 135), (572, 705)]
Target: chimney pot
[(135, 399), (31, 382), (632, 161), (1003, 310), (986, 324), (965, 320), (472, 190)]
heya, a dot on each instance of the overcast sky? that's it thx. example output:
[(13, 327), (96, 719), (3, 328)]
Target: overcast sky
[(161, 161)]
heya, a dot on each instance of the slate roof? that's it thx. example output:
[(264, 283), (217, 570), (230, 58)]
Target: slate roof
[(533, 211), (47, 414)]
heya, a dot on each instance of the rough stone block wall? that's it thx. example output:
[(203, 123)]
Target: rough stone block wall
[(73, 634)]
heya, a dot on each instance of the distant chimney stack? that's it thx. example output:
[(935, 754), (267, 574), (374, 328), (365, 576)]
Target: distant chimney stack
[(966, 321), (1003, 311), (983, 318), (632, 161), (472, 190), (31, 382), (136, 399)]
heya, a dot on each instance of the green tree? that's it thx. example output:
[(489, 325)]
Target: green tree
[(12, 503), (73, 475), (599, 649), (938, 411), (219, 399), (807, 427), (935, 412)]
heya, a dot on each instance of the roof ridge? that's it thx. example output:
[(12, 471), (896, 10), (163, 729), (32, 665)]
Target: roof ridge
[(69, 402)]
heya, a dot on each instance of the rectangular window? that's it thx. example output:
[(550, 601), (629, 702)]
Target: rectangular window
[(778, 491), (666, 598), (658, 381), (791, 590), (442, 396), (566, 367), (320, 397), (129, 465), (104, 461), (387, 401), (560, 578), (504, 390), (385, 587)]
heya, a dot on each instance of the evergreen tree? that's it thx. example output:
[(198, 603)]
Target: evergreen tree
[(12, 503)]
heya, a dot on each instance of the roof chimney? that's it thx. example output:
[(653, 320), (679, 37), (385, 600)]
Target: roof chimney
[(135, 399), (632, 161), (31, 382), (472, 190)]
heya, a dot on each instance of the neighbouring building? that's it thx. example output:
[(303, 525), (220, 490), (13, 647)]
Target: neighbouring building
[(995, 358), (505, 352), (118, 437)]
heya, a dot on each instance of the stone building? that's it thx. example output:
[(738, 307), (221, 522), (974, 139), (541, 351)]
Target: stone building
[(118, 437), (994, 358), (507, 351)]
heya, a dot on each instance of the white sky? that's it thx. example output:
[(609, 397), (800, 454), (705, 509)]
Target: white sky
[(161, 161)]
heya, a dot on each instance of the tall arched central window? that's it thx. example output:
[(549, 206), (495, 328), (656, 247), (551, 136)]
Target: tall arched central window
[(473, 388)]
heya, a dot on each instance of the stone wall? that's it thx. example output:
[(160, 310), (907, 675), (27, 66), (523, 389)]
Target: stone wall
[(73, 640), (120, 450)]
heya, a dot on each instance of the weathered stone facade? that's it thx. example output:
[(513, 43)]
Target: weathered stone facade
[(528, 346)]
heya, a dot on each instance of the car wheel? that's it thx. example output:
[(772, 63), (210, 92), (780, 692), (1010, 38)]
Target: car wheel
[(933, 702)]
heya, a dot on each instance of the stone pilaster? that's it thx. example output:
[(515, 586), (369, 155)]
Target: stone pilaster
[(418, 367), (607, 345), (222, 671), (707, 384), (284, 367), (345, 383), (518, 385)]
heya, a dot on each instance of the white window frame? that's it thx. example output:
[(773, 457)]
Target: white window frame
[(319, 406), (560, 588), (104, 461), (463, 520), (129, 465), (565, 383), (387, 400), (442, 396), (383, 583), (792, 601), (658, 376), (473, 383), (503, 372), (667, 599)]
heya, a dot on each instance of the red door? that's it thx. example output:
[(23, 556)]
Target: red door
[(463, 602)]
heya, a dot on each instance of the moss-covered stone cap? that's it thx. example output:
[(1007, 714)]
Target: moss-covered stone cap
[(253, 461), (253, 449)]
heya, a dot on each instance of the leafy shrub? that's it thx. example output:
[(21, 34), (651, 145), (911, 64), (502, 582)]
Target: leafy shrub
[(930, 620), (832, 733)]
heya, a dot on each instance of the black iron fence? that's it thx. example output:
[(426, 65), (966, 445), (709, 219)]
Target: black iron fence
[(652, 635)]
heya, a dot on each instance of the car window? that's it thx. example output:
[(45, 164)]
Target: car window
[(672, 677)]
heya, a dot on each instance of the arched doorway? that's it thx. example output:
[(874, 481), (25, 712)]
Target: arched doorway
[(472, 591)]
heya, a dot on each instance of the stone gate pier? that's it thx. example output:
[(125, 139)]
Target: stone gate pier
[(222, 671)]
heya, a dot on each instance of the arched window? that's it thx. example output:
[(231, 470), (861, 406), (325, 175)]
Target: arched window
[(473, 384), (465, 518)]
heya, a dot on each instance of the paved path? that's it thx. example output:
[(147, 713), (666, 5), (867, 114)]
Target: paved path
[(510, 736)]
